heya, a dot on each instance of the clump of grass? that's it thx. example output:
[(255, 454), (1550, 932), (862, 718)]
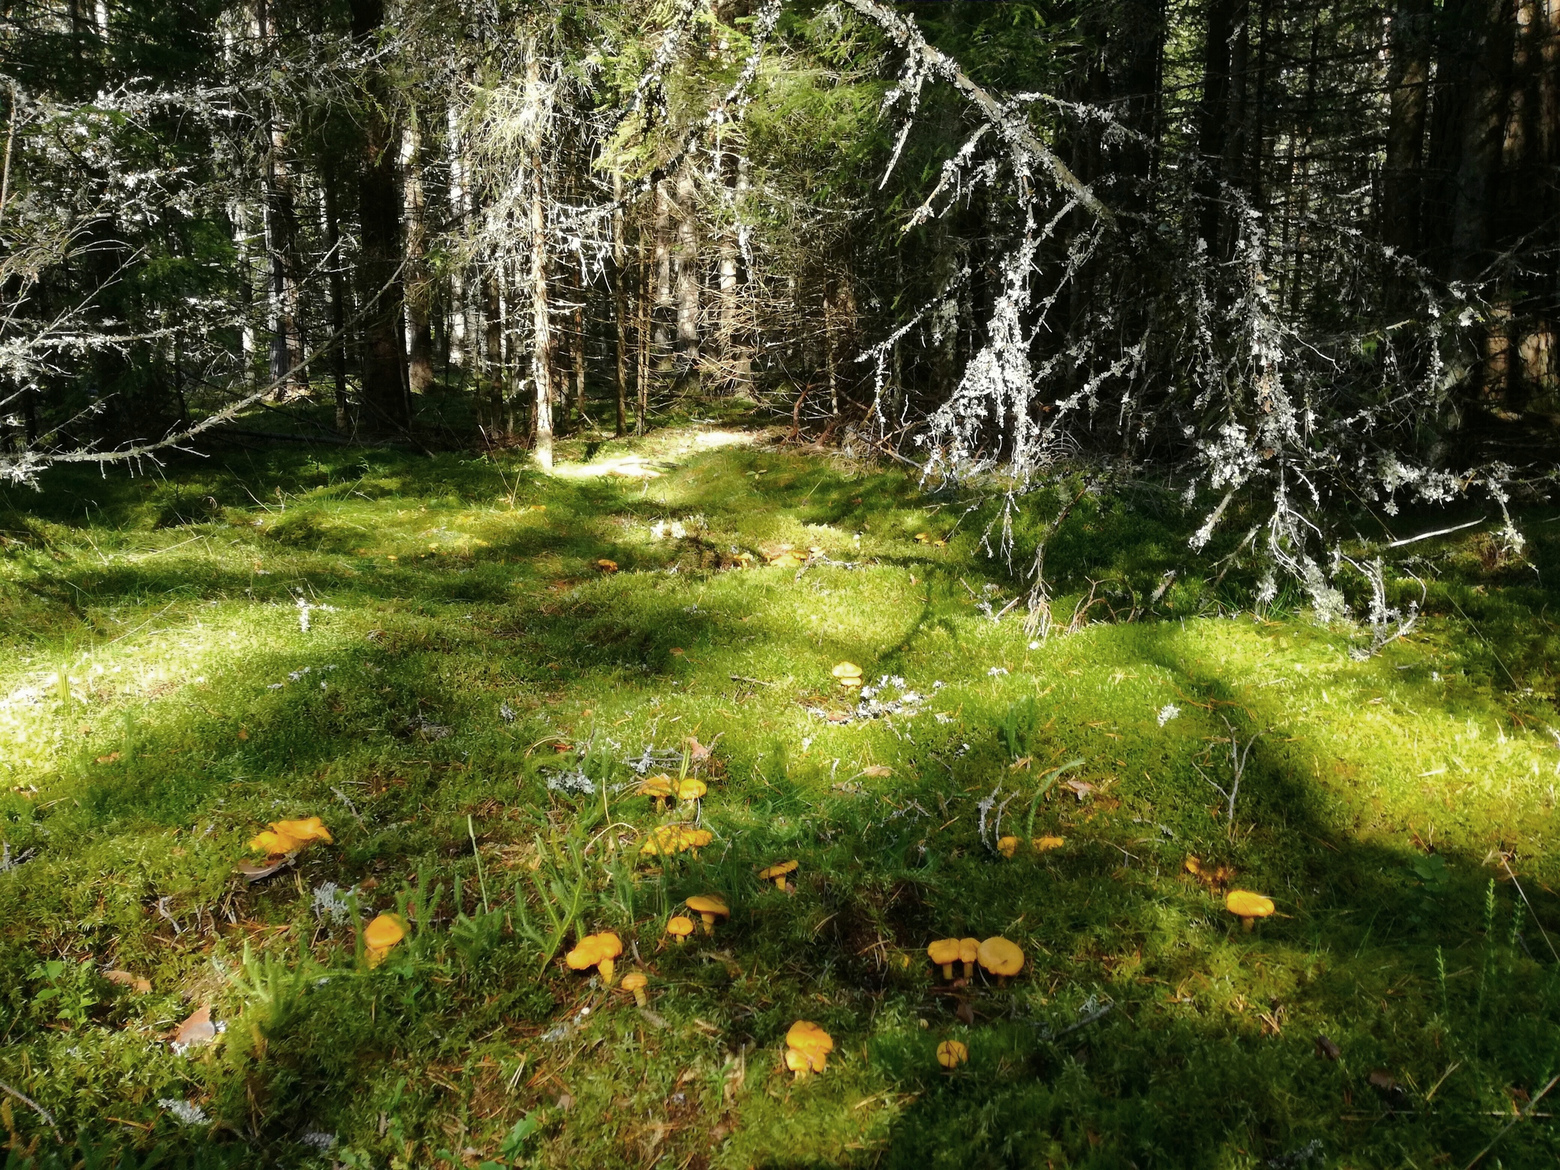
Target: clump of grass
[(468, 707)]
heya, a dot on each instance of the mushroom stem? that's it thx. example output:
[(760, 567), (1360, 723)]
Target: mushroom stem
[(969, 970), (1247, 923), (780, 881), (947, 971), (605, 967), (639, 996), (709, 921), (1001, 980)]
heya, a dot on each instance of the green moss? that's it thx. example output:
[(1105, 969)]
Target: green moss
[(460, 630)]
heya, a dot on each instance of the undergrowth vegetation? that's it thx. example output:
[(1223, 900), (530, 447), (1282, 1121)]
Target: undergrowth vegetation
[(464, 669)]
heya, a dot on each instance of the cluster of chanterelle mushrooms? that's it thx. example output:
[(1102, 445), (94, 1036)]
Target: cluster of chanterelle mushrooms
[(807, 1046)]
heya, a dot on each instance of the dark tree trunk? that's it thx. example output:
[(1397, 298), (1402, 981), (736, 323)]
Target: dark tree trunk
[(1213, 119), (1408, 79), (385, 396)]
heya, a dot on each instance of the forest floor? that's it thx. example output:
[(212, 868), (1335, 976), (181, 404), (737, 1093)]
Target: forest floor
[(430, 655)]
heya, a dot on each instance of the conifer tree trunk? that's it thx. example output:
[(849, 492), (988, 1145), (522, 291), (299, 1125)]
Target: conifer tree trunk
[(379, 197), (338, 312), (541, 325), (1214, 120), (688, 273), (661, 339), (419, 289), (620, 303), (1408, 79)]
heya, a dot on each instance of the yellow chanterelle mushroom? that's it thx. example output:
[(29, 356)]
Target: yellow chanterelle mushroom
[(680, 927), (807, 1048), (635, 982), (952, 1053), (777, 873), (380, 935), (708, 907), (1248, 907), (598, 951), (945, 953), (1001, 958)]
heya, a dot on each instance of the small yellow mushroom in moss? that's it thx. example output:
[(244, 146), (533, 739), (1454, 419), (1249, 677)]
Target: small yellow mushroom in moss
[(680, 927), (1007, 846), (952, 1053), (1248, 907), (969, 951), (1000, 957), (690, 788), (848, 673), (380, 935), (598, 951), (708, 907), (807, 1048), (635, 982), (777, 873), (657, 788), (945, 953), (1046, 844)]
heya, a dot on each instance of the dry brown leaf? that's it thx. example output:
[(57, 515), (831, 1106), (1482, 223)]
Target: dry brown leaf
[(196, 1030), (126, 979), (877, 770), (253, 871)]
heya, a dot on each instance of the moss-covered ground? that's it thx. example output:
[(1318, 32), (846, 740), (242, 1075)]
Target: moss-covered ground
[(426, 653)]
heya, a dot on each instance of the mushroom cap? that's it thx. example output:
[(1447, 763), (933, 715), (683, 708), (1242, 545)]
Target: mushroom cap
[(633, 981), (660, 785), (1245, 904), (778, 869), (1000, 956), (696, 838), (796, 1060), (1007, 846), (1043, 844), (665, 839), (384, 932), (944, 950), (951, 1053), (811, 1041), (679, 926), (271, 843), (708, 904), (846, 670), (307, 829), (691, 788), (593, 948), (969, 950)]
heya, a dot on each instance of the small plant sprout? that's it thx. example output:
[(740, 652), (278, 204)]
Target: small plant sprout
[(598, 951), (381, 935), (1248, 907), (849, 674), (777, 873), (807, 1048), (708, 907), (1000, 957), (969, 951), (634, 982), (952, 1053), (945, 953), (679, 927), (1238, 758)]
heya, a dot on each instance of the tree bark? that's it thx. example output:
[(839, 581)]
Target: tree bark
[(688, 270), (385, 394), (541, 324), (1408, 81), (1214, 115), (620, 303), (338, 313), (419, 289)]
